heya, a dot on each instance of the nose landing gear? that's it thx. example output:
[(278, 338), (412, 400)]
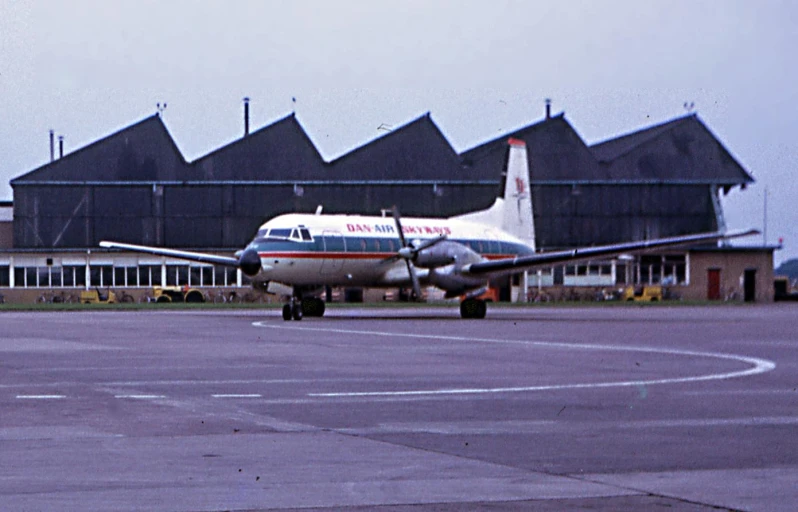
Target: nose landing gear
[(299, 307)]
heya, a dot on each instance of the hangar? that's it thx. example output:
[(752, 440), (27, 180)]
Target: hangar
[(135, 186)]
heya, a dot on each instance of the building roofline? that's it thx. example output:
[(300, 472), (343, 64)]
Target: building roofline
[(103, 140), (655, 131), (201, 183), (511, 133), (257, 131), (393, 132)]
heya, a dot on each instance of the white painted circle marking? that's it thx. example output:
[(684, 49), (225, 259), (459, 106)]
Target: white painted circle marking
[(140, 397), (758, 365), (234, 395)]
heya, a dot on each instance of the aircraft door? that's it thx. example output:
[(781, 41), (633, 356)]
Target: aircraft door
[(334, 252)]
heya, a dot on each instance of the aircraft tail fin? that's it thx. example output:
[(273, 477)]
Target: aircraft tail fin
[(512, 212)]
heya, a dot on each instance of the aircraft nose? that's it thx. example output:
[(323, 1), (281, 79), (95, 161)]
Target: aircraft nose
[(249, 262)]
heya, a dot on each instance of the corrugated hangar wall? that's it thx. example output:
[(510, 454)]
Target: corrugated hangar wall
[(134, 186), (593, 214), (212, 216)]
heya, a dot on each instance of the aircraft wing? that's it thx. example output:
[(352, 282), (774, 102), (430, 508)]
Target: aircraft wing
[(200, 257), (547, 259)]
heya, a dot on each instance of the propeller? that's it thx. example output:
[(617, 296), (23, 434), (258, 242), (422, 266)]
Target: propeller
[(409, 250)]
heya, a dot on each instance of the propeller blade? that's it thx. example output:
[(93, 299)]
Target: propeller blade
[(399, 226), (414, 278), (407, 252), (426, 244)]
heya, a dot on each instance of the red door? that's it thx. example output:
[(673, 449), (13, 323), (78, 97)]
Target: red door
[(713, 284)]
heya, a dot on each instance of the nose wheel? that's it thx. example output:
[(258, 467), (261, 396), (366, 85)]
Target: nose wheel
[(299, 307)]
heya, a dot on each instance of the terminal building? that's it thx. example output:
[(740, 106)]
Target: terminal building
[(135, 186)]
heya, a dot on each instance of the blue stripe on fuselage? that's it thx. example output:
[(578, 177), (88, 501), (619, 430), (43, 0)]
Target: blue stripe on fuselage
[(381, 245)]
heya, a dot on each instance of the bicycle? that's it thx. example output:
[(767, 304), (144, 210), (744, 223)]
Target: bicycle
[(125, 297), (53, 297), (232, 297)]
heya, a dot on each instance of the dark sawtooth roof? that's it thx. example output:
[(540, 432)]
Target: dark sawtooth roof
[(417, 150), (144, 151), (682, 150), (679, 150), (279, 151), (554, 149)]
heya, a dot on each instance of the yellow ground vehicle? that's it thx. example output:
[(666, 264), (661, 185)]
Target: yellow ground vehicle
[(97, 297), (642, 293), (177, 294)]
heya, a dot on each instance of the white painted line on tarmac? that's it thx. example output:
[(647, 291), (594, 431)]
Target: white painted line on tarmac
[(233, 395), (140, 397), (40, 397), (757, 365)]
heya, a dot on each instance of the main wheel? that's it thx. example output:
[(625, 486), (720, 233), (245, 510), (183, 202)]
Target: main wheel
[(287, 312), (313, 306), (473, 308), (482, 309), (296, 311)]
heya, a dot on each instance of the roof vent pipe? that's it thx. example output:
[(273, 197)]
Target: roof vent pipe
[(246, 116), (60, 146), (548, 108), (52, 145)]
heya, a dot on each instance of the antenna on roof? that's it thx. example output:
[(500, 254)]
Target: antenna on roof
[(689, 106), (161, 107), (293, 104), (548, 108), (246, 116), (385, 127)]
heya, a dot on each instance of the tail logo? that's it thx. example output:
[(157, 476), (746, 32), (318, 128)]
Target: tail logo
[(520, 188)]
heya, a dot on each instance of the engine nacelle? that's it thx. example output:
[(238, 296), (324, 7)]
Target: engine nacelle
[(445, 253), (453, 282)]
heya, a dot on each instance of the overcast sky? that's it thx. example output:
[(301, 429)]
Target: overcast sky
[(88, 68)]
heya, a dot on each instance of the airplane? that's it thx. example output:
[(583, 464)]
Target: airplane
[(304, 253)]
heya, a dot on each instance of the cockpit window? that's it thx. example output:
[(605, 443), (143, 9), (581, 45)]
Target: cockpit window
[(300, 234), (279, 233)]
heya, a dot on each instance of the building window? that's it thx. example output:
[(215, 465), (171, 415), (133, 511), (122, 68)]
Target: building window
[(19, 277), (176, 275), (74, 275), (101, 276), (56, 277), (132, 276), (149, 275), (5, 276)]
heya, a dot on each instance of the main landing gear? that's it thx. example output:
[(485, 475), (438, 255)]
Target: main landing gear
[(473, 308), (293, 311), (300, 307)]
